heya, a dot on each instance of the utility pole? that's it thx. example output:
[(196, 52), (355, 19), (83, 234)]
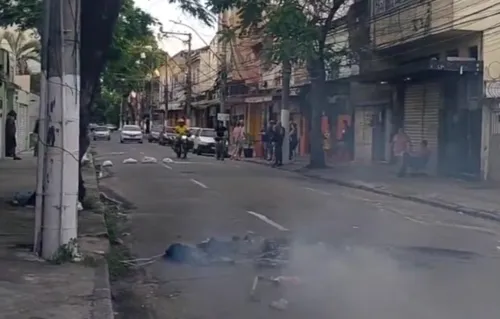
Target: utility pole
[(166, 94), (42, 131), (61, 181), (189, 84), (223, 82), (286, 70), (121, 111)]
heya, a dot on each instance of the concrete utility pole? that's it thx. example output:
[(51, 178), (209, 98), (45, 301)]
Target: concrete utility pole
[(61, 181), (166, 94), (223, 82), (121, 111), (285, 111), (189, 84), (42, 131)]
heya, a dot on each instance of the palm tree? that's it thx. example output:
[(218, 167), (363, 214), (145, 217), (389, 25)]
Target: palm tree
[(24, 46)]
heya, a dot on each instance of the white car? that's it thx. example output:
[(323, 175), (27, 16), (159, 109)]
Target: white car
[(101, 133), (131, 133), (204, 141)]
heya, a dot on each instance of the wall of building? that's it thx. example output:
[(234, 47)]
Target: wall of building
[(413, 21)]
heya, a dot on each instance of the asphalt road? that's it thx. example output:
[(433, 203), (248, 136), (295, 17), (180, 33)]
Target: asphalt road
[(360, 255)]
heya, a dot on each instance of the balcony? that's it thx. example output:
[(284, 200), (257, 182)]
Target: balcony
[(397, 22)]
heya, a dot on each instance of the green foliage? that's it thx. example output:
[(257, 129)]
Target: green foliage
[(26, 13), (293, 30)]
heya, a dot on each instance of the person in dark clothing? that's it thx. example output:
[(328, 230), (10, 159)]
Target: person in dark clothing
[(270, 140), (278, 136), (294, 139), (347, 141), (10, 135), (220, 138), (36, 130)]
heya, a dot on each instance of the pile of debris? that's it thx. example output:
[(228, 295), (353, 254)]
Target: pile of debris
[(263, 252), (268, 252)]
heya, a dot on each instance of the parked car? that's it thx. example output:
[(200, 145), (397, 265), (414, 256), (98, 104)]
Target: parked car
[(154, 134), (131, 133), (111, 127), (168, 136), (92, 126), (101, 133), (204, 141)]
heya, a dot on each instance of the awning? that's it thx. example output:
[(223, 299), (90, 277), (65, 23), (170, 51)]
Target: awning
[(200, 105), (420, 69)]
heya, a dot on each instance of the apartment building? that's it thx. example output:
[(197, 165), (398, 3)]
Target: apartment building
[(425, 67)]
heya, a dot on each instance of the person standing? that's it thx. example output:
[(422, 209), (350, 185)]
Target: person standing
[(270, 140), (238, 137), (279, 135), (294, 139), (10, 135), (221, 134), (401, 145)]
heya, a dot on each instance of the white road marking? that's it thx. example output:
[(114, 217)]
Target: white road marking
[(268, 221), (317, 191), (199, 183), (166, 166)]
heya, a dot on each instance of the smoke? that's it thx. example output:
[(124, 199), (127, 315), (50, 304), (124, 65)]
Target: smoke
[(366, 283)]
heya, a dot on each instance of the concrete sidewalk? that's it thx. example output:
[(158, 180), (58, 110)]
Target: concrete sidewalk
[(31, 288), (478, 199)]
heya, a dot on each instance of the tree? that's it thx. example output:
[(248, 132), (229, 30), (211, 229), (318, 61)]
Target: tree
[(24, 47), (98, 19), (296, 32)]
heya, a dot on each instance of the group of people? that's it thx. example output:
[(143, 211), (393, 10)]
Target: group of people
[(273, 138), (406, 157)]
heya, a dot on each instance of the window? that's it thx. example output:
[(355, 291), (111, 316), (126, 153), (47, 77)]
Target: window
[(474, 52), (379, 6), (452, 53)]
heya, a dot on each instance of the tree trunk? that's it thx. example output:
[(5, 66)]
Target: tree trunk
[(98, 22), (285, 110), (318, 101)]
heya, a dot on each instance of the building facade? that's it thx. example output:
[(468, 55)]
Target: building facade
[(423, 70)]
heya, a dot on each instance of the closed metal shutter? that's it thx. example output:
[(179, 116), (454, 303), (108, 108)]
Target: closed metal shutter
[(414, 112), (431, 108), (22, 129)]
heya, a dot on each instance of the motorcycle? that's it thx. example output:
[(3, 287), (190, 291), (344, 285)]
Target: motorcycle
[(181, 147)]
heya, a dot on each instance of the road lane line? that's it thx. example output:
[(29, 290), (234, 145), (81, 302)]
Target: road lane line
[(268, 221), (166, 166), (199, 183), (317, 191)]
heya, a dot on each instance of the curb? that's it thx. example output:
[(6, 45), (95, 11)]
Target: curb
[(102, 306), (487, 215)]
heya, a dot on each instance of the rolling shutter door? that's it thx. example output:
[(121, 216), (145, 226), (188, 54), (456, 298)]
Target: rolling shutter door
[(431, 114), (22, 130), (413, 112)]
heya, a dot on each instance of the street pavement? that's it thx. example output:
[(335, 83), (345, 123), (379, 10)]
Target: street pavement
[(360, 255)]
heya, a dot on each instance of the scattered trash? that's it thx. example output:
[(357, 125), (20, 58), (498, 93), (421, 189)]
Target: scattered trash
[(355, 227), (281, 304), (148, 159), (167, 160), (253, 290), (129, 161), (286, 279), (107, 164), (79, 206), (24, 199), (184, 253), (86, 158)]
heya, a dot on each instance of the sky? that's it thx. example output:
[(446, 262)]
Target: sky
[(165, 13)]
